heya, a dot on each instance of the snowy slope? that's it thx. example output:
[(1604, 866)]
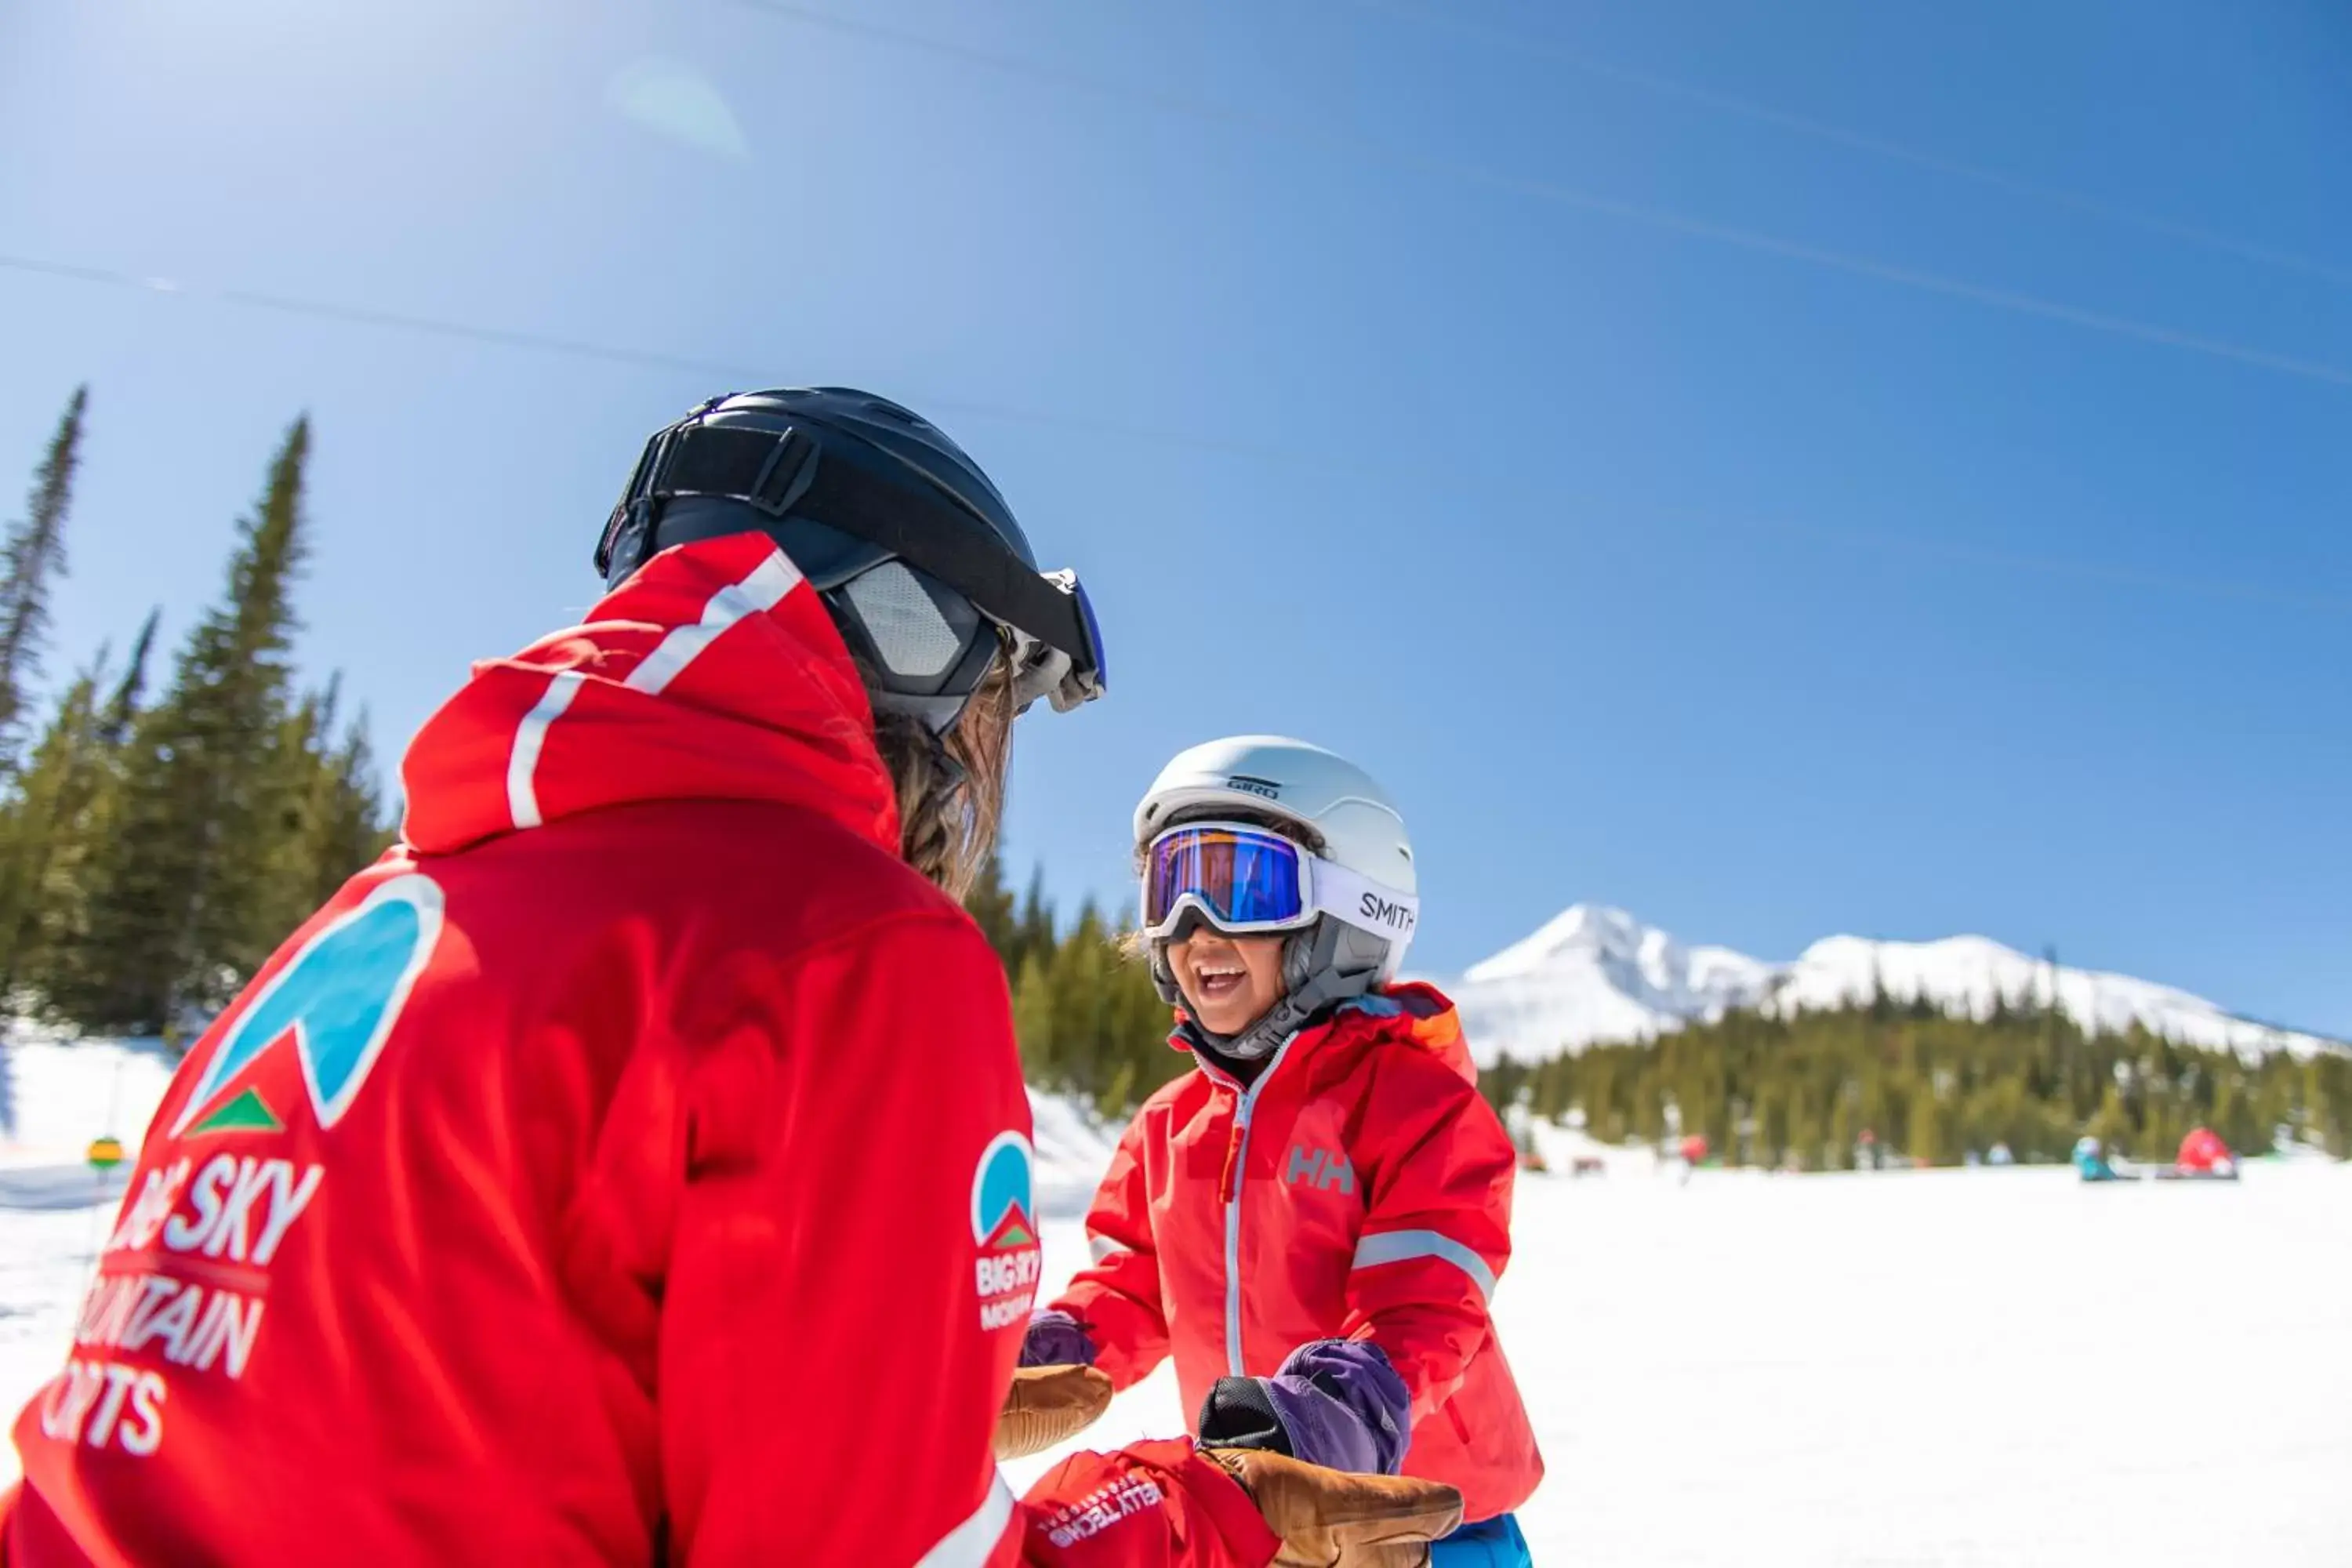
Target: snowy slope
[(1706, 1383), (56, 1094), (1719, 1377), (59, 1094), (1072, 1151), (1596, 973)]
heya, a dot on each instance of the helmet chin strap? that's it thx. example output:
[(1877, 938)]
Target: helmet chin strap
[(1312, 970)]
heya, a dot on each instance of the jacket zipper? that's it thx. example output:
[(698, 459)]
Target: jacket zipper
[(1236, 1168)]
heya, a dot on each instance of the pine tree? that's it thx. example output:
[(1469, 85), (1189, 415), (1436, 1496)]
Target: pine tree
[(989, 904), (122, 707), (331, 809), (1805, 1135), (1033, 1019), (351, 830), (285, 875), (1650, 1107), (59, 822), (34, 828), (1034, 932), (1117, 1098), (1087, 1016), (2113, 1125), (2328, 1091), (33, 555), (1925, 1138), (183, 907), (1774, 1130), (1142, 1017), (2161, 1134), (1082, 970), (2235, 1120), (1932, 1087)]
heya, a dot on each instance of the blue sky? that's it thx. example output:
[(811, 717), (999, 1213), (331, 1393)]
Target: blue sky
[(1783, 468)]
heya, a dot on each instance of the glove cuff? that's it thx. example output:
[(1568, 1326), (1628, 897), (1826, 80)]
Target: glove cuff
[(1056, 1339), (1241, 1413)]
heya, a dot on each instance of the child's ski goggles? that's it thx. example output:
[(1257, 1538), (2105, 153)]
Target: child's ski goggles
[(1245, 881)]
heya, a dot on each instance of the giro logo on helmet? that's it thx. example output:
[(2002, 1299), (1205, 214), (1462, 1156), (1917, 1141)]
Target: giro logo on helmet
[(1386, 912), (1249, 786)]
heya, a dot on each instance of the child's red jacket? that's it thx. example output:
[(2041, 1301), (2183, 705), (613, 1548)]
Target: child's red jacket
[(1361, 1188)]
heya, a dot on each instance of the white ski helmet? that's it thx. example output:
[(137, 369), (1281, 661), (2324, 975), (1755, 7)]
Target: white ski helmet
[(1334, 810)]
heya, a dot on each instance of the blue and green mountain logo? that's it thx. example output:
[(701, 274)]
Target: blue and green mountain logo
[(1001, 1208), (334, 1005)]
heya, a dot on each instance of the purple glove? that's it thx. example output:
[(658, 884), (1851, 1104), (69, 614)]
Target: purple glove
[(1334, 1402), (1054, 1339)]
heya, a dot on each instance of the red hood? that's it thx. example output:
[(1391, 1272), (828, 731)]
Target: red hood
[(714, 673)]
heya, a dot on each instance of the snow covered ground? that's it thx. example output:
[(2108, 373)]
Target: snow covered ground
[(1961, 1369)]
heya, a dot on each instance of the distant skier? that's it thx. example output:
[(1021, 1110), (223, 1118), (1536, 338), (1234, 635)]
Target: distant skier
[(2203, 1153), (1312, 1223), (1693, 1151), (2091, 1161), (633, 1166)]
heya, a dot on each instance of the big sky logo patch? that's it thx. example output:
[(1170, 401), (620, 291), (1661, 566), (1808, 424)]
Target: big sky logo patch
[(332, 1006), (183, 1283), (1005, 1231)]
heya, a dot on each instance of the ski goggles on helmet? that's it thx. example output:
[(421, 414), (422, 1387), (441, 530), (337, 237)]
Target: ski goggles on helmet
[(1245, 881), (1067, 677), (1053, 640)]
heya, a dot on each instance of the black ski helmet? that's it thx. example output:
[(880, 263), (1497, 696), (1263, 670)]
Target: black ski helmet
[(917, 555)]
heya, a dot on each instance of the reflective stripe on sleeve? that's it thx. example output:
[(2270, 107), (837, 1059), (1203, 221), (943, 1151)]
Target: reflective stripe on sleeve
[(1404, 1245)]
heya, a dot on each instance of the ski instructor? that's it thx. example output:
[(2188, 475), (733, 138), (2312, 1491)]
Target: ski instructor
[(633, 1166)]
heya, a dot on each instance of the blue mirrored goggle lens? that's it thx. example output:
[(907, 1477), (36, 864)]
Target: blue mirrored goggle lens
[(1242, 879)]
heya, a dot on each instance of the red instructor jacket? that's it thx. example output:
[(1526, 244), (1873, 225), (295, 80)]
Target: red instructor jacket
[(634, 1163)]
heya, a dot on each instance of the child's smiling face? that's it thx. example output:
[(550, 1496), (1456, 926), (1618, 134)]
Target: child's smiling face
[(1228, 982)]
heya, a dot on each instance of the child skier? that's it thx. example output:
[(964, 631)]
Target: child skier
[(1311, 1223)]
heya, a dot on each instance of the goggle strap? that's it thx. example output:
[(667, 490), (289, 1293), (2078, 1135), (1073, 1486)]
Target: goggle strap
[(760, 468), (1357, 900)]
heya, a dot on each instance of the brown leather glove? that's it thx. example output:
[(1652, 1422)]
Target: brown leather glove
[(1048, 1405), (1331, 1519)]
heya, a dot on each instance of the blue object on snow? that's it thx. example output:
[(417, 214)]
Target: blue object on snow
[(1490, 1544), (2091, 1161)]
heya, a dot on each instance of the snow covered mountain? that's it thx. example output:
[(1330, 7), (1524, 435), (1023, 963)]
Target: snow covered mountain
[(1595, 974)]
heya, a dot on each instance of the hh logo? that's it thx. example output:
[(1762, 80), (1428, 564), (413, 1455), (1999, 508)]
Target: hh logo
[(1320, 1169), (332, 1006)]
